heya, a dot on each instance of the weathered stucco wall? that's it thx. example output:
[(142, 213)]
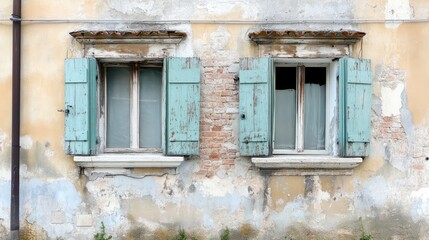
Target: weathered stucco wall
[(218, 189)]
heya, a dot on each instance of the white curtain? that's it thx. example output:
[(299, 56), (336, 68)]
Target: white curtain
[(314, 116), (285, 119), (118, 108), (150, 107)]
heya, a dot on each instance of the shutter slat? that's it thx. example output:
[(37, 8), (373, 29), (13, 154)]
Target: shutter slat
[(355, 107), (255, 106), (80, 101), (183, 106)]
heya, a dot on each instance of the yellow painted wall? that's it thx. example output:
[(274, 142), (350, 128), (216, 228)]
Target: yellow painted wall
[(389, 190)]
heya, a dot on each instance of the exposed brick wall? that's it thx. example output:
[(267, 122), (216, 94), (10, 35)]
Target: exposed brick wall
[(390, 128), (405, 146), (219, 110)]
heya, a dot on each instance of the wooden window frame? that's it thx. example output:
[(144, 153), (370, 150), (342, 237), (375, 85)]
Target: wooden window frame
[(134, 107), (299, 134)]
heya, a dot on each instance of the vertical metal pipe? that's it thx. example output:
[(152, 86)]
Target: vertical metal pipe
[(16, 118)]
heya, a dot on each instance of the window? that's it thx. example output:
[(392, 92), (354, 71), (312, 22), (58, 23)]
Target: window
[(298, 106), (133, 104), (135, 117)]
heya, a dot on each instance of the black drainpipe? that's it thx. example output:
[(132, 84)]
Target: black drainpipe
[(16, 118)]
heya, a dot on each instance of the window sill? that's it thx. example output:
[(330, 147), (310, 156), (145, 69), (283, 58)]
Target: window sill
[(129, 160), (316, 164)]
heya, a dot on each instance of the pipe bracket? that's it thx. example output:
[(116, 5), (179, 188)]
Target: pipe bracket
[(15, 18)]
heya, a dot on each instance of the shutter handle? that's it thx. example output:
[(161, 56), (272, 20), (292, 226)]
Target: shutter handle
[(243, 116)]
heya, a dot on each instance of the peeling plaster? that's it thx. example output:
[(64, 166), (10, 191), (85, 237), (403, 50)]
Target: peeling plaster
[(59, 195), (391, 100), (215, 187), (132, 7), (420, 207), (49, 153), (397, 9), (39, 203), (5, 202), (372, 195), (237, 10), (407, 120), (26, 142), (219, 39), (3, 137), (294, 212)]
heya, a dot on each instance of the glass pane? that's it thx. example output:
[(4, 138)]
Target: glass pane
[(285, 109), (150, 107), (118, 107), (314, 108)]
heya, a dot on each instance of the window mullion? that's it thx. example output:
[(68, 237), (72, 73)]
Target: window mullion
[(134, 118), (300, 114)]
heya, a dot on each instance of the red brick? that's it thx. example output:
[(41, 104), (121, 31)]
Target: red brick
[(216, 128), (419, 166), (228, 162)]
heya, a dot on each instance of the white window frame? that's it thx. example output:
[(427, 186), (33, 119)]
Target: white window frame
[(326, 162), (330, 106), (134, 107)]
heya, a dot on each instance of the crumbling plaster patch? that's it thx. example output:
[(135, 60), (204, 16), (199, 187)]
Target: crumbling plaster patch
[(407, 119), (132, 7), (219, 39), (226, 10), (129, 9), (293, 212), (215, 43), (310, 209), (393, 129), (397, 9), (304, 9), (26, 142), (371, 195), (5, 202), (391, 100), (207, 202), (3, 142), (420, 207), (39, 200)]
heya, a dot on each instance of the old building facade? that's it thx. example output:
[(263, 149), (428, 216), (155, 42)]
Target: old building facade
[(274, 119)]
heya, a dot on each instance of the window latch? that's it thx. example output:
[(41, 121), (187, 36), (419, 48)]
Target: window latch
[(236, 78), (65, 111)]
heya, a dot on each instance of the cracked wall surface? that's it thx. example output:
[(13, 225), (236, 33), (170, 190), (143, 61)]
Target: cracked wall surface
[(387, 194)]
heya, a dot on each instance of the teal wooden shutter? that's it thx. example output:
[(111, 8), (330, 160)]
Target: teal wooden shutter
[(183, 106), (355, 91), (80, 106), (255, 106)]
